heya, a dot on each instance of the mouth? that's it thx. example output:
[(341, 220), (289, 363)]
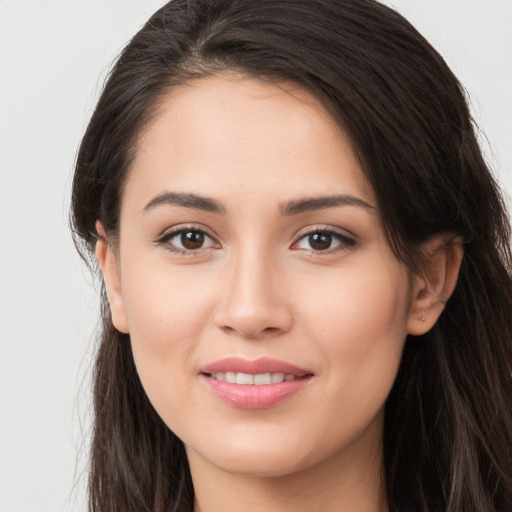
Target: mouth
[(258, 379), (258, 384)]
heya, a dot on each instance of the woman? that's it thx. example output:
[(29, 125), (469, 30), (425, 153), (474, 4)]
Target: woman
[(306, 265)]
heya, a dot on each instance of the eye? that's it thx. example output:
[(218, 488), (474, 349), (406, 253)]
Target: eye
[(323, 240), (186, 240)]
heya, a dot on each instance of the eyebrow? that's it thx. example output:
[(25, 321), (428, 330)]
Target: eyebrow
[(186, 200), (309, 204), (294, 207)]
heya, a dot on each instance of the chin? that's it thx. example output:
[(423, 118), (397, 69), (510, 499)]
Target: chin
[(260, 465), (265, 457)]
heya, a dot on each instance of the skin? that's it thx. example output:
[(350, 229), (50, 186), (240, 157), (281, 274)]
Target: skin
[(259, 287)]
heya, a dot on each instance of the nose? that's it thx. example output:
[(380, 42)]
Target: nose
[(255, 303)]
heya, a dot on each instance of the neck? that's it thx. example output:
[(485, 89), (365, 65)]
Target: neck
[(348, 481)]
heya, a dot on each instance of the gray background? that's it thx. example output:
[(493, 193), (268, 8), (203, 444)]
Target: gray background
[(54, 55)]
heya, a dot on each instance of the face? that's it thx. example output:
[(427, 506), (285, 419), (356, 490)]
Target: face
[(266, 310)]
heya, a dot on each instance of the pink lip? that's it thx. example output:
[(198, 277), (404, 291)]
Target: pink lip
[(252, 396), (262, 365)]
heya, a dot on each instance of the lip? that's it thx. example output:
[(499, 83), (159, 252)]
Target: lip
[(242, 396), (262, 365)]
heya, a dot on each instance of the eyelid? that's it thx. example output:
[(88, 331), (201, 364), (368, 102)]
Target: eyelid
[(165, 236), (347, 240), (192, 226)]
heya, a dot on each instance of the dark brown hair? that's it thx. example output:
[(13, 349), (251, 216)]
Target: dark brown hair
[(448, 422)]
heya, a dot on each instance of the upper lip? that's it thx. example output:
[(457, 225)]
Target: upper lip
[(257, 366)]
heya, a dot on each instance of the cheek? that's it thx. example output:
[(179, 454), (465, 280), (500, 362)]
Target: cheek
[(165, 306), (360, 322), (167, 313)]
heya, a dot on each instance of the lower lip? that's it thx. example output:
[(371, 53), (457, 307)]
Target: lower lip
[(251, 396)]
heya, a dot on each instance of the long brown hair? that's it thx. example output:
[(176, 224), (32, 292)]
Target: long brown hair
[(448, 422)]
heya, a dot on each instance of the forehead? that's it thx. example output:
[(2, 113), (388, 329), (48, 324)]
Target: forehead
[(234, 135)]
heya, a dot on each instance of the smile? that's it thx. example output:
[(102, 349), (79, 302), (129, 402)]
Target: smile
[(258, 384), (255, 379)]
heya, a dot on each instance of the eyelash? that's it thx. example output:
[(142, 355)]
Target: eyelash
[(181, 230), (344, 242)]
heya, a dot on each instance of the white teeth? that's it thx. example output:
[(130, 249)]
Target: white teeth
[(230, 377), (277, 377), (262, 378), (244, 378), (249, 378)]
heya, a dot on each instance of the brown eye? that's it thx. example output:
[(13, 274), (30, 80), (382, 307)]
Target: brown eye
[(323, 240), (188, 240), (191, 240), (320, 241)]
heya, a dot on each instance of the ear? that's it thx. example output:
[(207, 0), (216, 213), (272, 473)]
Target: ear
[(432, 289), (108, 264)]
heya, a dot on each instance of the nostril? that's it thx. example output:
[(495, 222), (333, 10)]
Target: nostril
[(250, 319), (251, 333)]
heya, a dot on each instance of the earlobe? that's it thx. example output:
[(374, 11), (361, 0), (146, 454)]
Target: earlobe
[(432, 289), (108, 264)]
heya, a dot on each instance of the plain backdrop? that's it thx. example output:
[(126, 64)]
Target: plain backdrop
[(54, 56)]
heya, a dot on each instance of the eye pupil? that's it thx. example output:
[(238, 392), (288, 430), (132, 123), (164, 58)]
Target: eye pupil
[(192, 239), (320, 241)]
